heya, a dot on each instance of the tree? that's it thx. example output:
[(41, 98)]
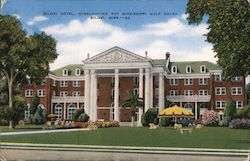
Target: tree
[(248, 92), (229, 31), (230, 111), (134, 102), (34, 104), (22, 55)]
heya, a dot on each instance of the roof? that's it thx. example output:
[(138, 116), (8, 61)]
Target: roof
[(158, 62), (195, 65), (71, 68)]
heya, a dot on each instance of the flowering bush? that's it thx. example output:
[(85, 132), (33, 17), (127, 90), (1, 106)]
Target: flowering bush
[(99, 124), (210, 118), (240, 124)]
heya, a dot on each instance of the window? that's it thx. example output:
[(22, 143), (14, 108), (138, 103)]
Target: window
[(173, 92), (220, 90), (203, 81), (29, 93), (217, 77), (203, 69), (63, 93), (64, 83), (41, 93), (173, 81), (156, 93), (54, 93), (76, 83), (237, 78), (136, 91), (188, 81), (78, 72), (188, 92), (203, 92), (71, 111), (136, 81), (65, 72), (238, 104), (76, 94), (220, 104), (54, 83), (236, 90), (58, 111), (27, 112), (188, 69), (174, 70), (43, 82)]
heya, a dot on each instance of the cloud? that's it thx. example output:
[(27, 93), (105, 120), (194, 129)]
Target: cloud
[(184, 16), (36, 19), (78, 38), (17, 16)]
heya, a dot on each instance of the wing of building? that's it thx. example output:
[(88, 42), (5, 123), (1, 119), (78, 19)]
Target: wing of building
[(100, 86)]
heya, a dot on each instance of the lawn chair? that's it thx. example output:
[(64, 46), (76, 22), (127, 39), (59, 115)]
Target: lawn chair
[(198, 126), (152, 126), (177, 126)]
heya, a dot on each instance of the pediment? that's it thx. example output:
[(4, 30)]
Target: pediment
[(116, 55)]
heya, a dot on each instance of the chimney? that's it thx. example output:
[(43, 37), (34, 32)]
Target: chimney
[(88, 56), (146, 54), (167, 59)]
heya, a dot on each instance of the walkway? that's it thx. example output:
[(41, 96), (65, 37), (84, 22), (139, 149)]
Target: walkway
[(42, 131)]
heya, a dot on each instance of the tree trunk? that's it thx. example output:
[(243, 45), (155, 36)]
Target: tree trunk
[(132, 121), (10, 88)]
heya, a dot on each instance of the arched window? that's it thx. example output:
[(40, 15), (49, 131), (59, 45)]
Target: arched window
[(58, 111), (174, 70), (71, 111), (78, 72), (65, 72), (188, 69), (188, 106), (203, 69)]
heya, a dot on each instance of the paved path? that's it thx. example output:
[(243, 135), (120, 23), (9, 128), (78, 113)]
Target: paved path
[(24, 155), (42, 131)]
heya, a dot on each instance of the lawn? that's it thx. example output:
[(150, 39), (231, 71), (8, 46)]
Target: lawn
[(206, 137), (21, 128)]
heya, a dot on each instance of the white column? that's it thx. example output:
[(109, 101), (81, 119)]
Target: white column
[(140, 95), (147, 92), (64, 111), (195, 107), (87, 92), (161, 92), (95, 99), (151, 91), (116, 96), (92, 106)]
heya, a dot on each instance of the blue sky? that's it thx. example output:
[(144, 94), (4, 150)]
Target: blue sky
[(159, 26)]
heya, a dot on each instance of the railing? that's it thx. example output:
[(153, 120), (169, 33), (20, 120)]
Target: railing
[(68, 99), (194, 98)]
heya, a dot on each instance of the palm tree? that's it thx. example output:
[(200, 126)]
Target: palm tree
[(134, 102)]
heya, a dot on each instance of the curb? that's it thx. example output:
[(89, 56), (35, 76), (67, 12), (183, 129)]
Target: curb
[(128, 149)]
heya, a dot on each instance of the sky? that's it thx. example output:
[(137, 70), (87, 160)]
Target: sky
[(93, 26)]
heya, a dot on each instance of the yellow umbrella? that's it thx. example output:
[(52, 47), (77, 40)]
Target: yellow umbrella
[(175, 112)]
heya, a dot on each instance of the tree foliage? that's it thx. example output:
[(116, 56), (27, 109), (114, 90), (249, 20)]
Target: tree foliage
[(34, 104), (248, 92), (229, 31), (23, 55), (134, 102)]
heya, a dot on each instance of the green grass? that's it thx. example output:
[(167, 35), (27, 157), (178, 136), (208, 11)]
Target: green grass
[(206, 137), (21, 128)]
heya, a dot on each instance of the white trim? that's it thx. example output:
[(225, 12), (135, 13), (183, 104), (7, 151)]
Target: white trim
[(188, 69), (29, 93), (201, 69), (238, 90), (188, 81), (221, 103), (219, 91), (174, 71), (41, 93), (65, 72), (76, 72)]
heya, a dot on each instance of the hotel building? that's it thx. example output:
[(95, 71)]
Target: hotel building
[(101, 83)]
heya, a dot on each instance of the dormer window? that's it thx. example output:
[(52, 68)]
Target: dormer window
[(65, 72), (188, 69), (78, 72), (174, 69), (203, 69)]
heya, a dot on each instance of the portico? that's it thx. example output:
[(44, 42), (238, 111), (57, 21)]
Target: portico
[(118, 64)]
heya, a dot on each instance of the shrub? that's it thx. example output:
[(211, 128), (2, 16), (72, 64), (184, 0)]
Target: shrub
[(240, 124), (77, 113), (83, 117), (230, 110), (184, 122), (150, 117), (4, 122), (210, 118), (243, 113), (40, 117), (165, 121)]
